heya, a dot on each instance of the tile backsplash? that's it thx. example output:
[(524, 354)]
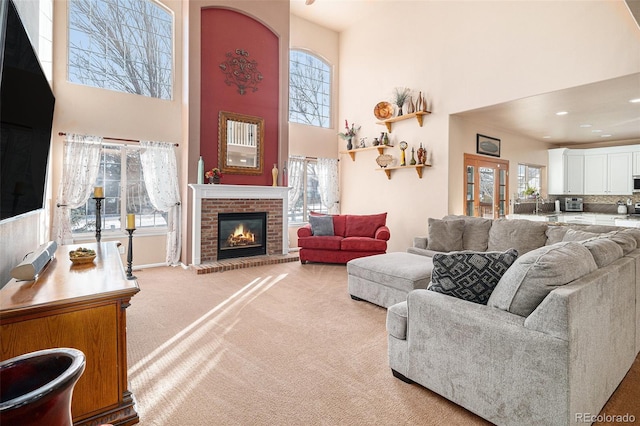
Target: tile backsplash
[(592, 203)]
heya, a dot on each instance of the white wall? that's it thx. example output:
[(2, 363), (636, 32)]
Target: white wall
[(465, 55)]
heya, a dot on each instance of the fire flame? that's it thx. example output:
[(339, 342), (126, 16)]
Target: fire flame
[(240, 236)]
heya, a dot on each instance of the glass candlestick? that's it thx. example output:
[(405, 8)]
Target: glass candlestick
[(98, 217)]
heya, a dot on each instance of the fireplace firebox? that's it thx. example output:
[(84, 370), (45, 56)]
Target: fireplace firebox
[(242, 234)]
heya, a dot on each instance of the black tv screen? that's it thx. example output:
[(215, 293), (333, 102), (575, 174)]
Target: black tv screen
[(26, 110)]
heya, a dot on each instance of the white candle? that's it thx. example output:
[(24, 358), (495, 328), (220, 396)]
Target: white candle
[(131, 221), (98, 192)]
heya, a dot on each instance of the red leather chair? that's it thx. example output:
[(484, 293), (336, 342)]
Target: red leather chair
[(36, 388)]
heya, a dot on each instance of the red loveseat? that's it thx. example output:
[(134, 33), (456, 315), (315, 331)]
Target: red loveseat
[(353, 236)]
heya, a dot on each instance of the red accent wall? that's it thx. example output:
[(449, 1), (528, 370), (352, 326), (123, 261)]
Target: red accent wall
[(224, 31)]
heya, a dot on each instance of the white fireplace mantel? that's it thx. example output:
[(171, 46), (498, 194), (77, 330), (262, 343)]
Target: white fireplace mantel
[(240, 192)]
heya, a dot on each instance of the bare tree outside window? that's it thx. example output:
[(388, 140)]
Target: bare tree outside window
[(122, 45), (309, 89)]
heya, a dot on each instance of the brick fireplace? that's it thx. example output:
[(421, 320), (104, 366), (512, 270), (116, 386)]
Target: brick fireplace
[(211, 200)]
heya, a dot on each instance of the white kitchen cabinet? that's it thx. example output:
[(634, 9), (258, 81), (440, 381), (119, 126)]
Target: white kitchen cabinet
[(565, 171), (631, 223), (619, 178), (574, 173), (608, 174), (636, 163)]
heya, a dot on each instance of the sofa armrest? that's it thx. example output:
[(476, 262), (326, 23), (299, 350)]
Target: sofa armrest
[(382, 233), (420, 242), (305, 231), (484, 359)]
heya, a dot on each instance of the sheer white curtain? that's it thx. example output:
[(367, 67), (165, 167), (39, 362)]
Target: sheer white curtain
[(81, 163), (296, 179), (328, 186), (160, 170)]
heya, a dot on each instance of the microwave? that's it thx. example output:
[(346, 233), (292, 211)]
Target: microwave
[(573, 205), (636, 184)]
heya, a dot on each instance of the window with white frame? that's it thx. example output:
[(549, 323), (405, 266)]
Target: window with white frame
[(121, 45), (529, 179), (310, 198), (124, 190), (309, 89)]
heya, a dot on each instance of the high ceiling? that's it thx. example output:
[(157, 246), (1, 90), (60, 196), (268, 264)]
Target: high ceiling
[(605, 106)]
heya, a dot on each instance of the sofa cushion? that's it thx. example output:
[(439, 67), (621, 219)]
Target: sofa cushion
[(362, 244), (578, 235), (555, 233), (470, 276), (476, 232), (536, 273), (321, 225), (364, 225), (520, 234), (625, 240), (603, 250), (330, 242), (445, 235)]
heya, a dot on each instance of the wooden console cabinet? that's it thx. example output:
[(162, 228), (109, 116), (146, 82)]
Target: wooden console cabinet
[(82, 307)]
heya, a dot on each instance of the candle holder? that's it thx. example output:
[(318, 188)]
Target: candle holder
[(130, 276), (98, 217)]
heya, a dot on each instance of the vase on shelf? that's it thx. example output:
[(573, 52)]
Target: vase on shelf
[(413, 158), (274, 174), (421, 154), (349, 144), (214, 179)]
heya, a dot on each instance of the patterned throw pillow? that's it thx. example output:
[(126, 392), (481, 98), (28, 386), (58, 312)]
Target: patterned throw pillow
[(468, 275)]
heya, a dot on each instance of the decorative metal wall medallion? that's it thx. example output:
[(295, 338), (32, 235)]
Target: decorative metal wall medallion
[(241, 71)]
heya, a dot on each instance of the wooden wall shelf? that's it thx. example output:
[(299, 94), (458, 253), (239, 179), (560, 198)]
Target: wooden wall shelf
[(352, 152), (417, 167), (418, 115)]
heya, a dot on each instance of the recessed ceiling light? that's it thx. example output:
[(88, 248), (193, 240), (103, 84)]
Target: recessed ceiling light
[(605, 136), (596, 131), (546, 137), (635, 101), (584, 126), (562, 113)]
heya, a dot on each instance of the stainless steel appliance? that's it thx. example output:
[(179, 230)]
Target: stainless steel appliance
[(636, 184), (573, 205), (636, 207)]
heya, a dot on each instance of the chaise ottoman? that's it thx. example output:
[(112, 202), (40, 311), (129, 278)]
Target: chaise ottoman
[(387, 279)]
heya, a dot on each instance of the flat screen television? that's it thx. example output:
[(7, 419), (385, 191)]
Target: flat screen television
[(26, 110)]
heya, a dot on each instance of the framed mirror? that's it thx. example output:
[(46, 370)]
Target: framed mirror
[(241, 139)]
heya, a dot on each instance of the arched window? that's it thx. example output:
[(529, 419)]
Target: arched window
[(309, 89), (122, 45)]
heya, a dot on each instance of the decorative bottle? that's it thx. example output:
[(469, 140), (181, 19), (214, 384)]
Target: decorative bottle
[(200, 171), (274, 174), (421, 154), (413, 158), (386, 139)]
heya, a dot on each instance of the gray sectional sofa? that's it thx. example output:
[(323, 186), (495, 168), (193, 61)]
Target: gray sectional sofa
[(556, 337)]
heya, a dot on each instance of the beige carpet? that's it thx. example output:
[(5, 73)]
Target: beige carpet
[(277, 345)]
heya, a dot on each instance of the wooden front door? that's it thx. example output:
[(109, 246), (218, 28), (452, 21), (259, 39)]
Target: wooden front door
[(486, 186)]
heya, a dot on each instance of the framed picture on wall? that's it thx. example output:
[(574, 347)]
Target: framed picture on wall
[(487, 145)]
